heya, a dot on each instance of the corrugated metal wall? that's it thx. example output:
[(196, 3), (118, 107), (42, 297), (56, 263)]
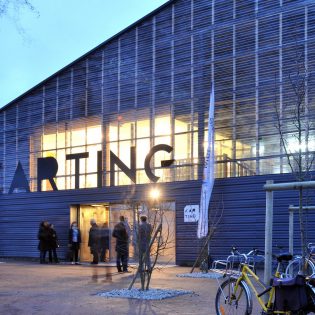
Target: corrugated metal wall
[(241, 200)]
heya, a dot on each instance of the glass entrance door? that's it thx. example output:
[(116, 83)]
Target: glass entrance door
[(87, 212)]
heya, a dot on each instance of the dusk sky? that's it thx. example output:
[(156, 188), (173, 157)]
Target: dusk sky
[(36, 45)]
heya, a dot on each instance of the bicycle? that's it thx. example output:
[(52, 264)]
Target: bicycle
[(295, 265), (234, 294), (236, 257)]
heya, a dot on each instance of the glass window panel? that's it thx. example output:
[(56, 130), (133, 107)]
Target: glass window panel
[(162, 126), (143, 128), (113, 131), (245, 148), (196, 147), (269, 166), (78, 137), (182, 125), (49, 142), (123, 179), (94, 134), (61, 183), (61, 159), (143, 147), (142, 177), (113, 146), (61, 140), (92, 159), (164, 174), (82, 181), (162, 140), (127, 131), (91, 180), (124, 152), (182, 146)]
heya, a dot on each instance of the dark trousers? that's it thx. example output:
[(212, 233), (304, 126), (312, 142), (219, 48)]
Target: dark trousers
[(94, 252), (75, 252), (122, 261), (103, 253), (53, 253), (42, 256)]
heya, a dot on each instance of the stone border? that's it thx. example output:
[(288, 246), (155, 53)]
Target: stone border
[(152, 294), (209, 275)]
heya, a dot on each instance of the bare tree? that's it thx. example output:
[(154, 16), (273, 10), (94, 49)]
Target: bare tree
[(12, 9), (215, 217), (294, 123), (159, 242)]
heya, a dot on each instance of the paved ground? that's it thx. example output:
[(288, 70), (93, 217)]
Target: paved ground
[(30, 288)]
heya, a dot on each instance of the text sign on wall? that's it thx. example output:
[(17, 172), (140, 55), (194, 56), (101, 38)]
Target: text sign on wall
[(191, 213)]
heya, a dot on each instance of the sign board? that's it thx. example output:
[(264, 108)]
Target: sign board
[(191, 213)]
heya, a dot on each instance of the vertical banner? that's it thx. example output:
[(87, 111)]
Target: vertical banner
[(208, 174)]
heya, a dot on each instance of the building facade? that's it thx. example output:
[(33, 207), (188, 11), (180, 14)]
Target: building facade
[(94, 138)]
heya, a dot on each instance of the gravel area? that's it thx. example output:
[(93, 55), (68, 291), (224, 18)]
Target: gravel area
[(209, 275), (152, 294)]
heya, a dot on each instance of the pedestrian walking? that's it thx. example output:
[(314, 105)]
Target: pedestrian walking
[(104, 241), (122, 244), (145, 230), (44, 238), (74, 242), (53, 244), (94, 241)]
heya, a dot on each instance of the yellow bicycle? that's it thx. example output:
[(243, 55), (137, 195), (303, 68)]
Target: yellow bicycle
[(234, 295)]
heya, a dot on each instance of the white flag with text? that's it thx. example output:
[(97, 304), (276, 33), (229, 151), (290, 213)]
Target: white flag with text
[(208, 174)]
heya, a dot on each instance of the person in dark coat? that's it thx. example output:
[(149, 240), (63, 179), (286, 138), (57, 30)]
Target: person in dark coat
[(104, 241), (94, 241), (53, 244), (74, 242), (122, 243), (44, 240), (145, 230)]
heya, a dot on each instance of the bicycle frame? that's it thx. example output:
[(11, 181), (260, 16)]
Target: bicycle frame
[(245, 274)]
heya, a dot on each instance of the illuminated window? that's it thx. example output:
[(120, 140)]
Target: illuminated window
[(59, 144)]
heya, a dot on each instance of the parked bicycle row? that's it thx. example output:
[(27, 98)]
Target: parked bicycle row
[(288, 293)]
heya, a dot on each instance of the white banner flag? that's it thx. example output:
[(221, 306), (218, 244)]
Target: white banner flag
[(208, 174)]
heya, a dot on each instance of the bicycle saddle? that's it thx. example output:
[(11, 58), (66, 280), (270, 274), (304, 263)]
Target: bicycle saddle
[(284, 257)]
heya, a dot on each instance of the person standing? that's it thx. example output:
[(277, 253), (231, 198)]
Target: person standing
[(145, 230), (104, 241), (74, 242), (53, 244), (122, 243), (44, 238), (94, 241)]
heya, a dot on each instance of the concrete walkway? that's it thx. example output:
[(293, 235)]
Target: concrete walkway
[(30, 288)]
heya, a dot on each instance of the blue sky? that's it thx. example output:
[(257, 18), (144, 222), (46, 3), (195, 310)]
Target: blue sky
[(61, 32)]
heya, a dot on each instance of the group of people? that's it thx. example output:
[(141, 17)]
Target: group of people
[(122, 234), (98, 242), (48, 242)]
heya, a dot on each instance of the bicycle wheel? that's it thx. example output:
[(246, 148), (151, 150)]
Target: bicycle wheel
[(294, 266), (229, 302)]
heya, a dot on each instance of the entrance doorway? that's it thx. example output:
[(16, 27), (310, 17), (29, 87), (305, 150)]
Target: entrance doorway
[(83, 214), (109, 214)]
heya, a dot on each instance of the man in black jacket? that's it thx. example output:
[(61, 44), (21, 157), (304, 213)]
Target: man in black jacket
[(122, 243), (94, 240)]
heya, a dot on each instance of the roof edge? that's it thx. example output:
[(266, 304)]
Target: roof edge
[(154, 12)]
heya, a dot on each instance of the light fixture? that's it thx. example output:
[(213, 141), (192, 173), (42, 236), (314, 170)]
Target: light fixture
[(154, 194)]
